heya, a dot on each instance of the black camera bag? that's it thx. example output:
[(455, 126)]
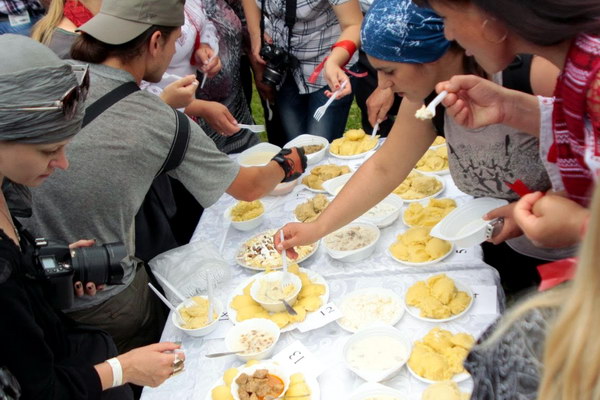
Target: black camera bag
[(158, 225)]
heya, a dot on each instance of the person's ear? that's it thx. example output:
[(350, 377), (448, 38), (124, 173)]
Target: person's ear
[(494, 31), (155, 43)]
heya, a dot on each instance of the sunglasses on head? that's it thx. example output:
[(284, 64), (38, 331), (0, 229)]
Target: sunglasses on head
[(70, 100)]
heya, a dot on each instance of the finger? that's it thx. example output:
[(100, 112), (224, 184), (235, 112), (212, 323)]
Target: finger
[(441, 86), (523, 210), (90, 289), (187, 80), (100, 287), (497, 213), (82, 243), (164, 346), (78, 289)]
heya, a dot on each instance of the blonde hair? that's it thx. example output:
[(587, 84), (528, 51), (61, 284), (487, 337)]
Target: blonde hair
[(43, 30), (571, 362)]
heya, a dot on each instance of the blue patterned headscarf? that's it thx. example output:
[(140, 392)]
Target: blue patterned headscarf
[(399, 31)]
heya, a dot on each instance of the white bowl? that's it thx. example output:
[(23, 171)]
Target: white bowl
[(276, 306), (358, 254), (392, 318), (273, 368), (205, 330), (385, 220), (304, 140), (247, 225), (334, 185), (284, 188), (370, 390), (464, 225), (258, 155), (372, 375), (259, 324)]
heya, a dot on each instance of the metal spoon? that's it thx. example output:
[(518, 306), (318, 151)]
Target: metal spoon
[(290, 310)]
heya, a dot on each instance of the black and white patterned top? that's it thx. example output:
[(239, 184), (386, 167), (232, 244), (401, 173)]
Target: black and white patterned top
[(511, 368), (315, 31)]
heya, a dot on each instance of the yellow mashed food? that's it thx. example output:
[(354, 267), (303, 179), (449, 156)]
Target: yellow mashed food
[(416, 245), (247, 210), (298, 388), (310, 210), (322, 173), (417, 186), (418, 215), (437, 297), (445, 390), (440, 355), (433, 160), (309, 300), (354, 141), (439, 140), (196, 316)]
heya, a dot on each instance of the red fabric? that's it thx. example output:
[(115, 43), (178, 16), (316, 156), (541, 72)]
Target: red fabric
[(76, 12), (196, 47), (570, 108), (519, 187), (347, 45), (557, 272)]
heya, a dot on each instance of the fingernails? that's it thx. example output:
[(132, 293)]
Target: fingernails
[(78, 285), (89, 286)]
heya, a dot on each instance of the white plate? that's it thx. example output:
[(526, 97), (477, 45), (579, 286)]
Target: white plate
[(440, 172), (422, 264), (456, 378), (313, 276), (241, 262), (374, 292), (430, 196), (369, 389), (313, 384), (355, 156), (416, 312)]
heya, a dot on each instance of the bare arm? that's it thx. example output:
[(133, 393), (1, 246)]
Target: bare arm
[(543, 76), (375, 179), (253, 183), (252, 13)]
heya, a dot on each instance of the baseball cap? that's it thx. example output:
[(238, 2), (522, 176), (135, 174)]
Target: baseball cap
[(120, 21)]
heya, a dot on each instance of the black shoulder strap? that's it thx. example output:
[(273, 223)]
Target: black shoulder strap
[(180, 143), (106, 101), (182, 132), (517, 75)]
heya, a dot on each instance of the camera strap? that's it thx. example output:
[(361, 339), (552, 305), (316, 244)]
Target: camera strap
[(290, 20)]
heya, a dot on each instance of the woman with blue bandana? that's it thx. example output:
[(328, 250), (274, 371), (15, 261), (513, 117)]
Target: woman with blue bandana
[(406, 45)]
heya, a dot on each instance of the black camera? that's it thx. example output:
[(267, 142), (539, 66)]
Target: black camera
[(278, 61), (61, 266)]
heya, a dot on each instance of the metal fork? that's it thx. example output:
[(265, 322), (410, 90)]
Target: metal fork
[(253, 128), (321, 110)]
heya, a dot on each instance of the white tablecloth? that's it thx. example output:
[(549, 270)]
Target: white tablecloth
[(336, 382)]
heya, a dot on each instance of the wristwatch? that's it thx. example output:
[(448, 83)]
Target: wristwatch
[(287, 164)]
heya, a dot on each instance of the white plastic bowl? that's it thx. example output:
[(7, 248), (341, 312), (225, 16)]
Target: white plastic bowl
[(464, 225), (245, 157), (246, 326), (378, 331), (386, 220), (374, 293), (334, 185), (306, 139), (247, 225), (273, 368), (370, 390), (205, 330), (277, 306), (358, 254)]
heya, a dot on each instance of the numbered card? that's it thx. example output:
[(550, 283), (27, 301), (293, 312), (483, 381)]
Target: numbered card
[(486, 300), (326, 314), (297, 357), (223, 326)]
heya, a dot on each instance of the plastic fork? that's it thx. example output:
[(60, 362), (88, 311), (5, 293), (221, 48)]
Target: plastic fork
[(186, 301), (375, 129), (253, 128), (434, 103), (321, 110), (204, 77), (178, 316), (285, 280)]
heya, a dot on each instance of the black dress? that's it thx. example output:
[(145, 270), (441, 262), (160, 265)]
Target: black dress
[(51, 356)]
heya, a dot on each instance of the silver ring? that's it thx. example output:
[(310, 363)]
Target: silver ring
[(178, 365)]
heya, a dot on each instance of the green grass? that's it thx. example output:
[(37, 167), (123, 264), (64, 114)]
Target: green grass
[(257, 113)]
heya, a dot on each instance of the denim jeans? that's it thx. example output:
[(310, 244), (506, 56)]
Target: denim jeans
[(296, 111), (23, 29)]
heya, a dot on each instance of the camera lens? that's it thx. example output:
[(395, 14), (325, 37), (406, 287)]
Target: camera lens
[(272, 77), (101, 264)]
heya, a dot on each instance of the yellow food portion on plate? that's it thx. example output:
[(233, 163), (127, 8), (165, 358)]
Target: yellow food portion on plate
[(247, 210), (196, 316), (439, 140), (418, 215), (298, 388), (433, 160), (309, 300), (440, 355), (223, 392), (417, 186), (437, 297), (322, 173), (445, 390), (310, 209), (417, 246), (354, 141)]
